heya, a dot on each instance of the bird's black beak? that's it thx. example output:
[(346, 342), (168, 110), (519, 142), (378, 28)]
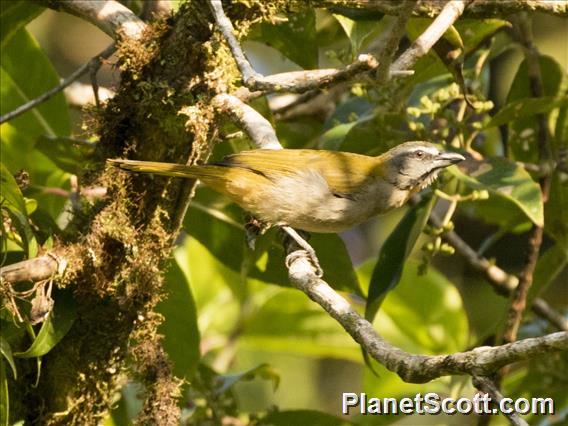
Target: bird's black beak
[(445, 159)]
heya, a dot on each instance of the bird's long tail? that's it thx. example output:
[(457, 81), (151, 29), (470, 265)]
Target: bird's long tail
[(167, 169)]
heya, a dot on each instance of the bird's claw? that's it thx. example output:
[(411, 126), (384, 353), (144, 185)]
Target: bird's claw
[(291, 258)]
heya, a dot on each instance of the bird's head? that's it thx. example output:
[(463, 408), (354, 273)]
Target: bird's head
[(415, 165)]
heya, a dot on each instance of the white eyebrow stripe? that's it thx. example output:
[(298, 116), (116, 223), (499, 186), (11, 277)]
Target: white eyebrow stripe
[(428, 149)]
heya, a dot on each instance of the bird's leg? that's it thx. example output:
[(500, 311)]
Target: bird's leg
[(253, 228), (305, 246)]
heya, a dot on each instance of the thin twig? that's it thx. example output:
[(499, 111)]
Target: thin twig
[(502, 282), (83, 69), (394, 34), (523, 33), (486, 385), (226, 27), (296, 81)]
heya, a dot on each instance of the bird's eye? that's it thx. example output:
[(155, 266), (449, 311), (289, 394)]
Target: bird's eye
[(419, 154)]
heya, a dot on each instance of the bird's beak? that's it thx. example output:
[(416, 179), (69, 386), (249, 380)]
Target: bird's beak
[(446, 159)]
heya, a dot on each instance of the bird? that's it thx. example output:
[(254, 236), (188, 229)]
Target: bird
[(314, 190)]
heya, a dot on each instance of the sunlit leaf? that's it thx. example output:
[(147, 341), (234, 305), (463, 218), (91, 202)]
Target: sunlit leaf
[(286, 321), (393, 254), (423, 314), (14, 15), (54, 328), (505, 179), (27, 73)]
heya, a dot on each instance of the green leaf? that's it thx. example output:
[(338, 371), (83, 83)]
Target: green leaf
[(358, 31), (552, 73), (11, 196), (25, 74), (556, 210), (354, 112), (505, 179), (15, 15), (550, 264), (474, 32), (393, 254), (67, 154), (179, 328), (54, 328), (525, 108), (333, 257), (216, 229), (286, 321), (263, 371), (6, 352), (302, 417), (11, 199), (295, 38), (523, 131), (334, 137), (4, 396), (423, 314)]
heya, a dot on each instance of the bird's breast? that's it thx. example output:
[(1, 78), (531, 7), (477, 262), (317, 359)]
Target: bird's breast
[(304, 200)]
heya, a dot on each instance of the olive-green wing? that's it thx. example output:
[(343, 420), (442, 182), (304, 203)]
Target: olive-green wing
[(343, 171)]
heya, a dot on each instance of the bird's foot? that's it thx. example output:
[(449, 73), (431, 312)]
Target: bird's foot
[(308, 249), (253, 229)]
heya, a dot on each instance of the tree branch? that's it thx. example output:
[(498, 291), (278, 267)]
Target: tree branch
[(422, 45), (36, 269), (523, 33), (478, 9), (83, 69), (296, 81), (257, 127), (502, 282), (486, 385), (413, 368), (110, 16), (394, 34)]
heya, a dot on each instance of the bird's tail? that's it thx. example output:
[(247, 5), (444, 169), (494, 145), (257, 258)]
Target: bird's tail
[(167, 169)]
